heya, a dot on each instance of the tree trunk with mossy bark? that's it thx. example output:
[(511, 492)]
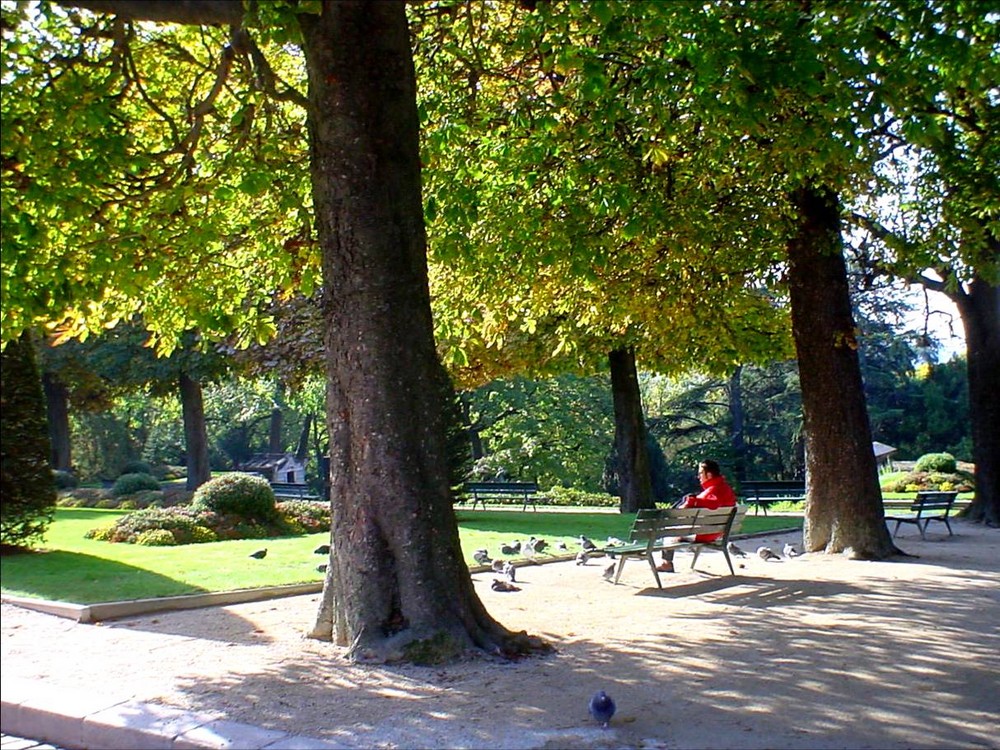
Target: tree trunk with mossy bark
[(844, 503), (634, 477), (398, 586)]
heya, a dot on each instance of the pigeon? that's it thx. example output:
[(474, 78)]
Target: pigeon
[(614, 541), (537, 545), (499, 585), (609, 572), (323, 549), (588, 545), (508, 570), (259, 554), (321, 567), (498, 565), (602, 708), (735, 551), (790, 551), (511, 549), (582, 556), (481, 556), (561, 546), (766, 553)]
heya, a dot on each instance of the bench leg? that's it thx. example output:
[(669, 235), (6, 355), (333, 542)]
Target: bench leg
[(652, 566), (729, 561), (945, 519), (621, 564)]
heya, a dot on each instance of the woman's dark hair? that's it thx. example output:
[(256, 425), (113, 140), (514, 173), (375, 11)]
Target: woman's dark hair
[(711, 467)]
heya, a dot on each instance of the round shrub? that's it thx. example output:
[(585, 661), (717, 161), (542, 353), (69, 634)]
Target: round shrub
[(180, 523), (65, 480), (246, 495), (202, 534), (304, 517), (156, 538), (128, 484), (943, 462), (136, 467)]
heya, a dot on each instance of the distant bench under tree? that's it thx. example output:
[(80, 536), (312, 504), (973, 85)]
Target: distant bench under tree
[(763, 493), (293, 491), (480, 492)]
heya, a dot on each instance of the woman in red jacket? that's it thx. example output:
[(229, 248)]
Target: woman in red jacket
[(715, 493)]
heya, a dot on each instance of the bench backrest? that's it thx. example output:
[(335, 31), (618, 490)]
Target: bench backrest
[(933, 500), (790, 487), (501, 487), (650, 525)]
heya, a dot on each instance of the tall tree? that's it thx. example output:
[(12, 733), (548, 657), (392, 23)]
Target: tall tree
[(398, 575), (933, 65), (635, 479)]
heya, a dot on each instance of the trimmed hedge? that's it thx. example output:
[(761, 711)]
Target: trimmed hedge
[(246, 495)]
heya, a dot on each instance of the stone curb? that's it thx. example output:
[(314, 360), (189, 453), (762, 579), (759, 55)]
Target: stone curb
[(111, 722)]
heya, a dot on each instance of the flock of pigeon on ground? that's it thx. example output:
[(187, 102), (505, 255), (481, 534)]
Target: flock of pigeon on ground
[(602, 706), (534, 546)]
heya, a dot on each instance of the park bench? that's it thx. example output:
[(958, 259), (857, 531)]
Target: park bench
[(293, 491), (763, 493), (480, 492), (930, 505), (675, 528)]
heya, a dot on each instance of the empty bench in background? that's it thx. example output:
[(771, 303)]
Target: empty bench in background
[(930, 505), (480, 492), (763, 493), (658, 530), (293, 491)]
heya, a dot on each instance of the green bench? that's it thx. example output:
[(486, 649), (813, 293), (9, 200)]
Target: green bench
[(293, 491), (480, 492), (763, 493), (929, 506), (675, 528)]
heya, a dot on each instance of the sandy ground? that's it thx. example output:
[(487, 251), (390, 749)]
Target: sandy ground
[(814, 652)]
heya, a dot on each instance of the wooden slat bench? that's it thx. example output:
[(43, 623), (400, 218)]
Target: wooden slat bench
[(763, 493), (675, 528), (480, 492), (293, 491), (929, 506)]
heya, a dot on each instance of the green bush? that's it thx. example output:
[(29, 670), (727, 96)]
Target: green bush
[(246, 495), (179, 522), (156, 538), (136, 467), (942, 462), (65, 480), (570, 496), (26, 484), (129, 484), (304, 517)]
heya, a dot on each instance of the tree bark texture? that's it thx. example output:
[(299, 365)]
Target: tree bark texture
[(737, 435), (57, 409), (844, 503), (195, 433), (277, 423), (635, 483), (398, 585), (979, 307)]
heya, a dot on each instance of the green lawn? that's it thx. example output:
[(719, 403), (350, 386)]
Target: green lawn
[(83, 571)]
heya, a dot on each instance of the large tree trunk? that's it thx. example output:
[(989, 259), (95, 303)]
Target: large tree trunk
[(57, 409), (195, 433), (277, 423), (398, 586), (737, 434), (844, 503), (979, 307), (635, 484)]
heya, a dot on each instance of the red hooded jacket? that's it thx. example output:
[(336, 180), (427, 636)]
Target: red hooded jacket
[(715, 493)]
